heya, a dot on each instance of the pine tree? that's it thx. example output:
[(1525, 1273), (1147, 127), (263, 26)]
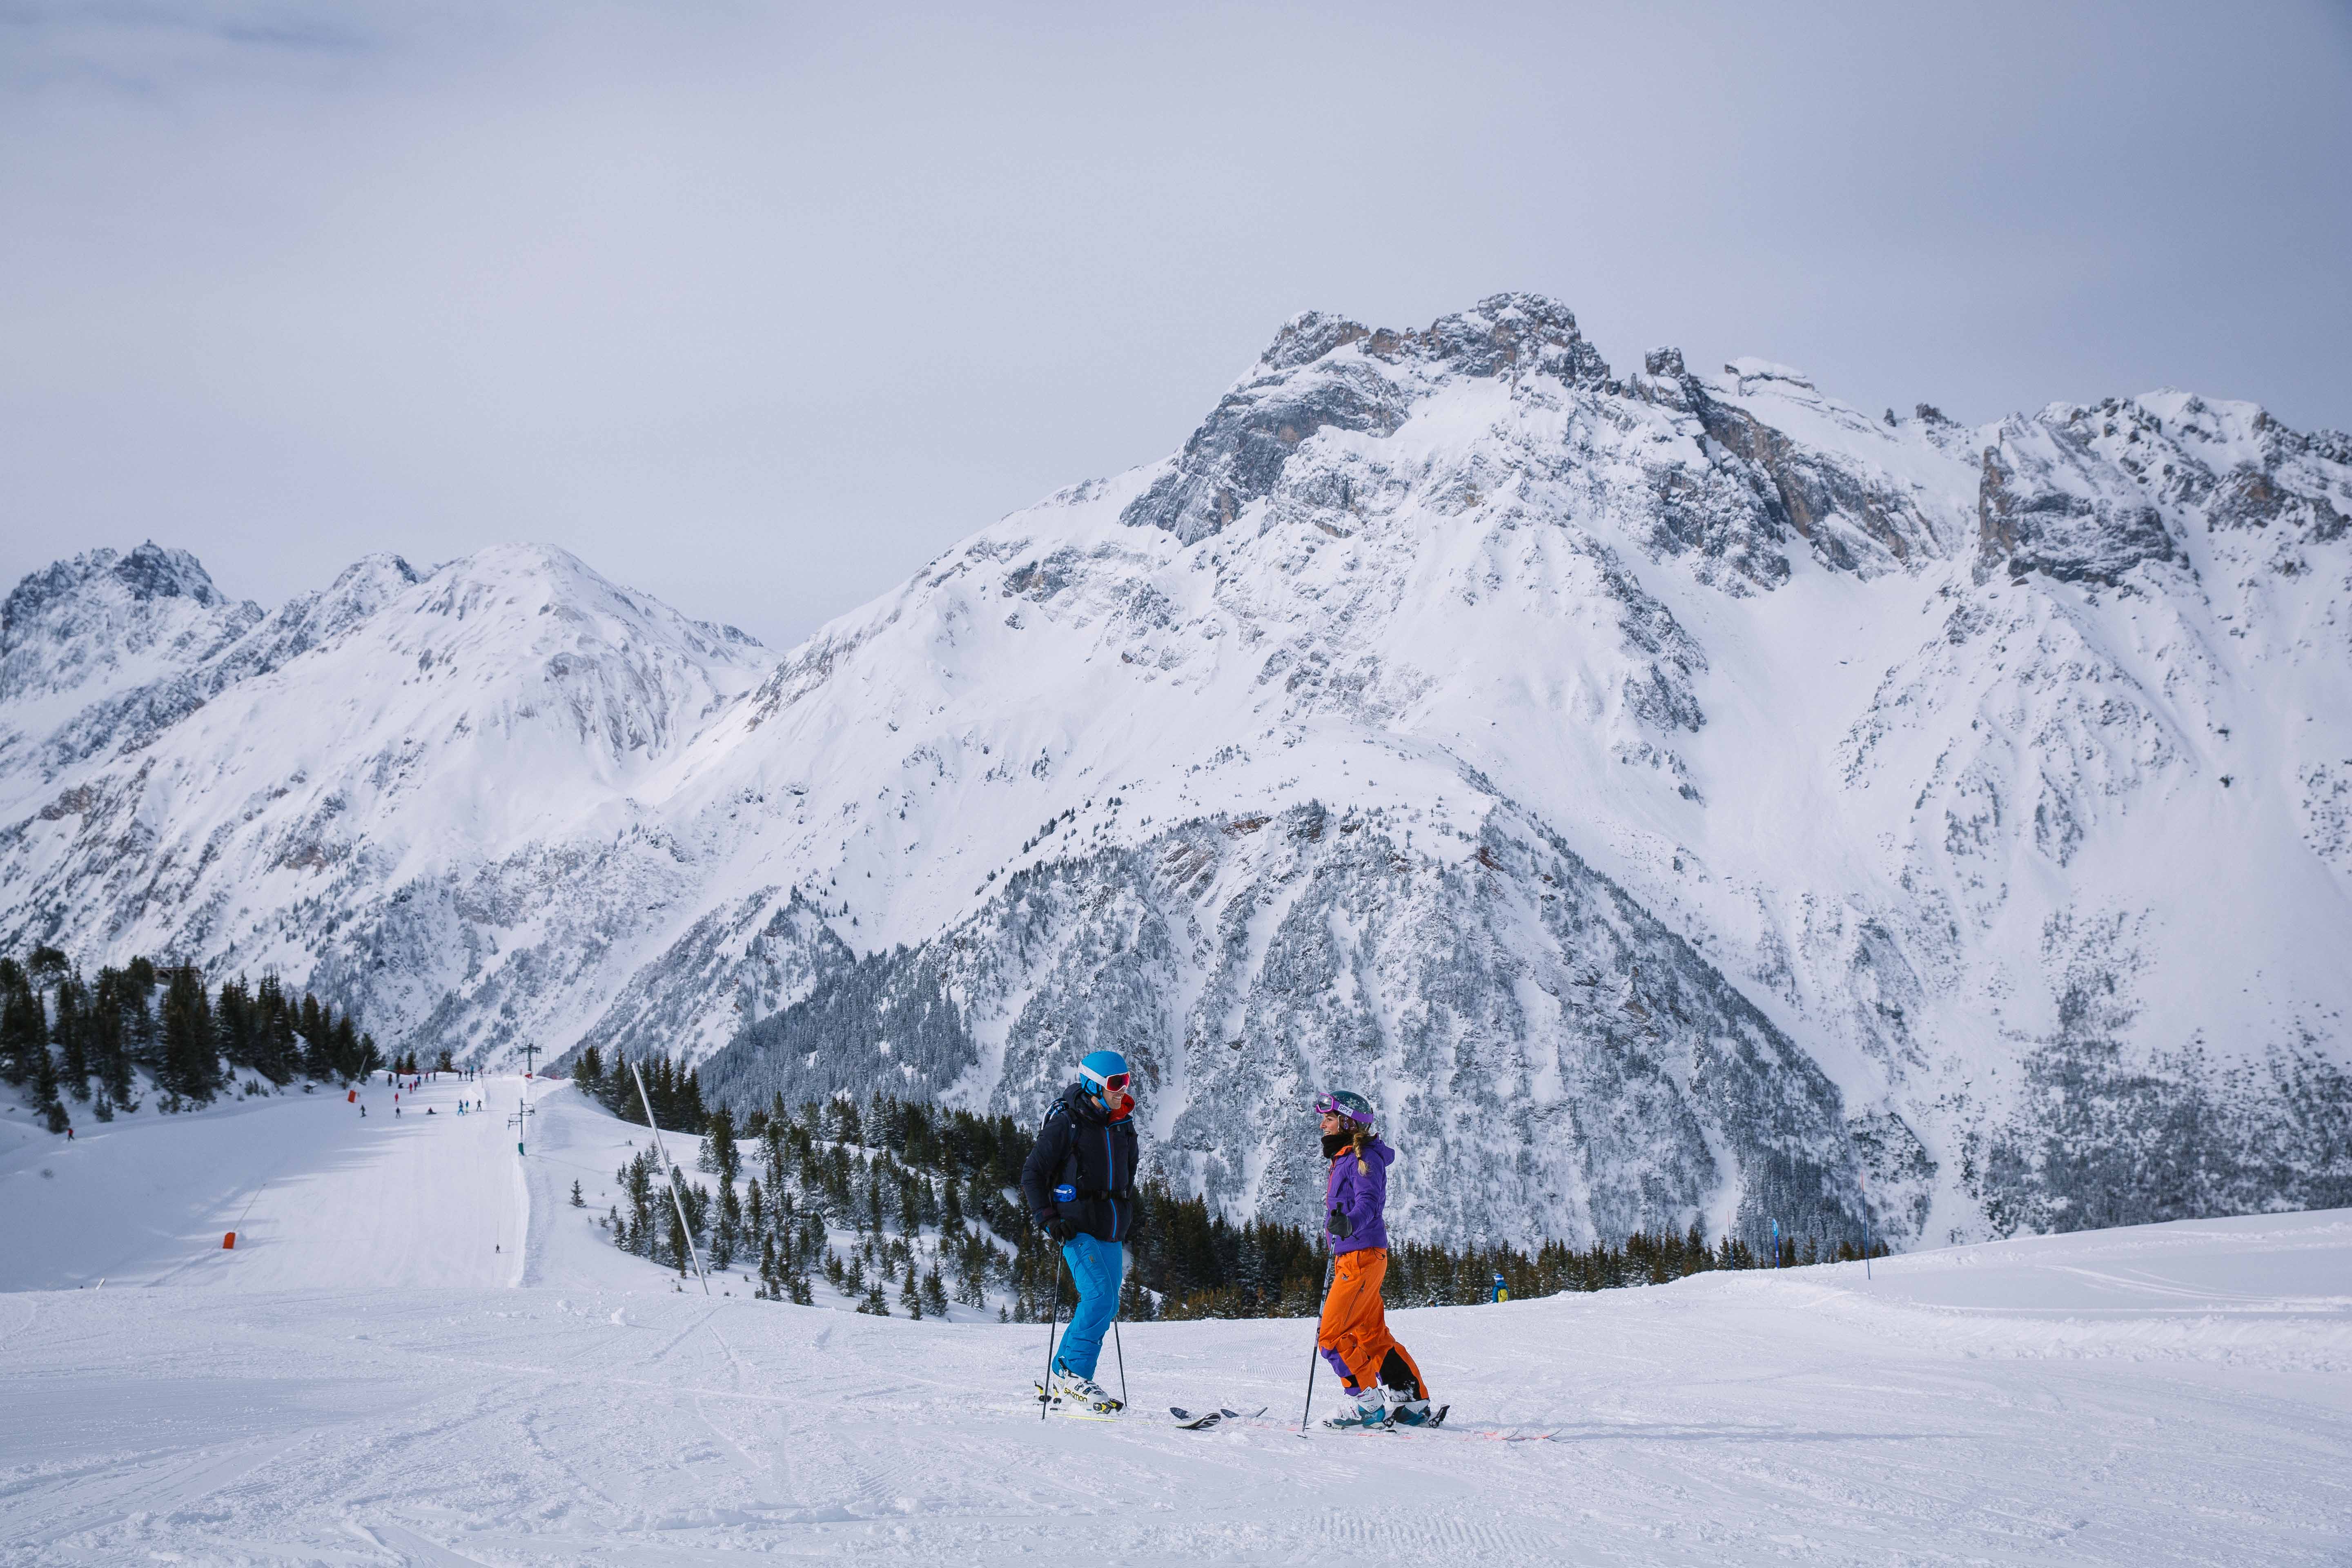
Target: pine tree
[(71, 1032), (935, 1292), (343, 1048), (637, 1183), (23, 1030), (719, 1154), (727, 1236), (276, 1050), (45, 1083), (310, 1024), (912, 1190), (191, 1065), (235, 1024), (874, 1306), (578, 1202), (110, 1038)]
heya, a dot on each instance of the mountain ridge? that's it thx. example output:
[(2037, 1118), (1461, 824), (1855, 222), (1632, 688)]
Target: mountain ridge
[(1453, 621)]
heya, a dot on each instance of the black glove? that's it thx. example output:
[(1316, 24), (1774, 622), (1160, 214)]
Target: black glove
[(1062, 1229), (1341, 1226)]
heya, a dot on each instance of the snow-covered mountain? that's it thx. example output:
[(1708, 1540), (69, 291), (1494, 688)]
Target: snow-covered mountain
[(1669, 797)]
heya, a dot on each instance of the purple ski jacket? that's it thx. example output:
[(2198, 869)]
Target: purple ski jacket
[(1363, 1196)]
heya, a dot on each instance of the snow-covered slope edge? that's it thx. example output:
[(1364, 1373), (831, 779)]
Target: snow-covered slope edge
[(1674, 796)]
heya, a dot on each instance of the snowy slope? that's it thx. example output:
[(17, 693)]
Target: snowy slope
[(2171, 1394), (316, 1195), (1671, 796)]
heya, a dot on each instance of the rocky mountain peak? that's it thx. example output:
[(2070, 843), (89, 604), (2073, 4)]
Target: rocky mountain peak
[(101, 617), (1504, 333), (149, 572), (1325, 372)]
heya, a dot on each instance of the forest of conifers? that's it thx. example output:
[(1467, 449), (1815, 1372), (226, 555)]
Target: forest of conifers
[(929, 1199), (70, 1041)]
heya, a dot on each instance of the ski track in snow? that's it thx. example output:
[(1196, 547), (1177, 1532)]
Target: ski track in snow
[(359, 1382)]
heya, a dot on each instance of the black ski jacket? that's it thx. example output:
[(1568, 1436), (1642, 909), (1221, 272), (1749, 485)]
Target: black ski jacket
[(1081, 1147)]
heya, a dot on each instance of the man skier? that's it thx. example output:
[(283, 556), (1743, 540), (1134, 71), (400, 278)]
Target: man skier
[(1354, 1334), (1080, 1182)]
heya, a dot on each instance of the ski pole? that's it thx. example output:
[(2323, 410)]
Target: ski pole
[(1052, 1319), (1315, 1352), (1122, 1362)]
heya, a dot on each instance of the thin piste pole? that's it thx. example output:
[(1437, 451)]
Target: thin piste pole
[(663, 1154), (1053, 1321), (1314, 1351)]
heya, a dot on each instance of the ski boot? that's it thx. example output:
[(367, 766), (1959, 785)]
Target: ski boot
[(1405, 1409), (1069, 1388), (1370, 1412)]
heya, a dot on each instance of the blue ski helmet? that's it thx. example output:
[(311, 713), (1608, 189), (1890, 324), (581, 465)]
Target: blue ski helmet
[(1098, 1070), (1347, 1103)]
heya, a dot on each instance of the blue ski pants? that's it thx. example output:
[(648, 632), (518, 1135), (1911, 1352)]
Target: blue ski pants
[(1098, 1266)]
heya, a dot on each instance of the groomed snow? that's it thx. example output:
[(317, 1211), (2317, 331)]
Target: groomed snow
[(359, 1382)]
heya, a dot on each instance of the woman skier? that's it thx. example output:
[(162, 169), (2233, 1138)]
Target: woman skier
[(1379, 1372), (1080, 1182)]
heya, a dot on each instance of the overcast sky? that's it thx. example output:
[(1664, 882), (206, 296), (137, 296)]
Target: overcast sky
[(757, 307)]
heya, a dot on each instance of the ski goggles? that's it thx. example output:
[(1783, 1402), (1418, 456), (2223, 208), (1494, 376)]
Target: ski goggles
[(1326, 1105), (1115, 1084)]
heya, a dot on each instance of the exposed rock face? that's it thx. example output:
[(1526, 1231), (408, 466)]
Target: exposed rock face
[(1670, 797), (1565, 1063), (1324, 372), (103, 619)]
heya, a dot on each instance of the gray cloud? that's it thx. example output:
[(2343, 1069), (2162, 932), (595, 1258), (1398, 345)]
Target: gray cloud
[(758, 308)]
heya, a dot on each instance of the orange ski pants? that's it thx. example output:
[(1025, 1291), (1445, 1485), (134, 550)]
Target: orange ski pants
[(1354, 1334)]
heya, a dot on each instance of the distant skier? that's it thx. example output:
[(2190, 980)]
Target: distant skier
[(1379, 1372), (1080, 1182)]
